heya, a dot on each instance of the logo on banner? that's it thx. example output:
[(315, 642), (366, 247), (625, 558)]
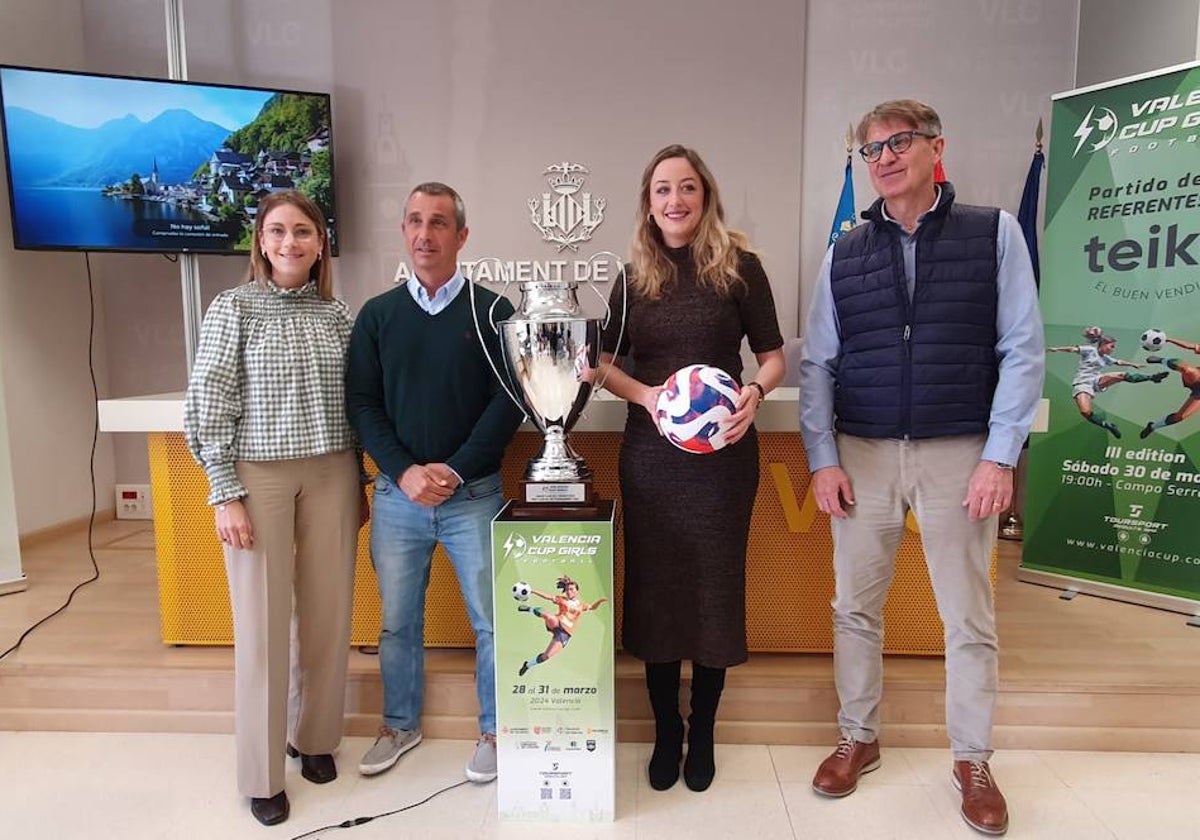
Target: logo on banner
[(566, 216), (1100, 123), (514, 546)]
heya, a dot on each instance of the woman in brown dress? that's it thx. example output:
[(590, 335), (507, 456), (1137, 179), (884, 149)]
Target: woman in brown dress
[(695, 290)]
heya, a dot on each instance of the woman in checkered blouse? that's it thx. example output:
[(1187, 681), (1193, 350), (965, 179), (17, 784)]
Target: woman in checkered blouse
[(265, 417)]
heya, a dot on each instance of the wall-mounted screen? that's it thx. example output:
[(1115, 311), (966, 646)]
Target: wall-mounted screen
[(113, 163)]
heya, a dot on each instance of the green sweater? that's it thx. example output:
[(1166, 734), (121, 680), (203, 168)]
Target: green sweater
[(419, 390)]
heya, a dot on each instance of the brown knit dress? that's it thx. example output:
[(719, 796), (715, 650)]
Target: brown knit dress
[(686, 516)]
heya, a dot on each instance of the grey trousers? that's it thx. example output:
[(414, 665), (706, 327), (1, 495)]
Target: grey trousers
[(928, 477), (305, 518)]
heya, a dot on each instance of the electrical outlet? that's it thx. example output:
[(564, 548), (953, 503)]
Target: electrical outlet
[(133, 501)]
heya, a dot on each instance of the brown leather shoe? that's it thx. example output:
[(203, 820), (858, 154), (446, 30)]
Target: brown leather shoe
[(838, 774), (983, 805)]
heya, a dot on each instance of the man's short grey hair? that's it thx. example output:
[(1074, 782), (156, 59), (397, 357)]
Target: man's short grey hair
[(438, 188)]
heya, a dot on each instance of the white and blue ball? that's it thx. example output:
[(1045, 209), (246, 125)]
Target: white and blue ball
[(1153, 340), (695, 404)]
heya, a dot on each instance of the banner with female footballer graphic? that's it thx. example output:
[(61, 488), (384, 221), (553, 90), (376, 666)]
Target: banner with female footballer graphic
[(556, 712), (1114, 486)]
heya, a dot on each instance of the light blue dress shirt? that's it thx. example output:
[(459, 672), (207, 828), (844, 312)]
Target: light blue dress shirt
[(1020, 350), (442, 298)]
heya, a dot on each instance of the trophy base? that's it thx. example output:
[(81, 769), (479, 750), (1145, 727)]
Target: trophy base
[(555, 500), (1011, 528)]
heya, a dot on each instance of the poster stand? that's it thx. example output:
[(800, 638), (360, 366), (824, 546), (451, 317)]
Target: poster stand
[(554, 642)]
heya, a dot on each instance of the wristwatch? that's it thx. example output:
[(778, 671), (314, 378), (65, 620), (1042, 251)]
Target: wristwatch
[(1003, 466)]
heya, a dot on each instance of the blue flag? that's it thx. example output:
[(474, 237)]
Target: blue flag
[(843, 219), (1027, 215)]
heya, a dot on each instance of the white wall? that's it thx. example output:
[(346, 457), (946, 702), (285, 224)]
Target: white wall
[(1118, 38), (44, 314)]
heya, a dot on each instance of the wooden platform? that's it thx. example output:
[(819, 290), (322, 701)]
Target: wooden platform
[(1084, 674)]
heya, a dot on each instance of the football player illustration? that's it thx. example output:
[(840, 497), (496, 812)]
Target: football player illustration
[(1189, 375), (560, 624), (1091, 380)]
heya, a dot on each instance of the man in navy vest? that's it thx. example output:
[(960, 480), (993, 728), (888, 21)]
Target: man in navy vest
[(922, 368)]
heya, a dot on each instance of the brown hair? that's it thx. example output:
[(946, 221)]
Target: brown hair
[(259, 269), (715, 248), (910, 112)]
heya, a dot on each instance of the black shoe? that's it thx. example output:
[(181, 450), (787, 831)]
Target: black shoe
[(700, 766), (1160, 376), (664, 761), (318, 769), (1112, 428), (272, 810), (523, 669), (1145, 433), (1154, 360)]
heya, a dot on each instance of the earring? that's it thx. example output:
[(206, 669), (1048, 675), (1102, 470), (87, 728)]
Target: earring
[(264, 254), (650, 218)]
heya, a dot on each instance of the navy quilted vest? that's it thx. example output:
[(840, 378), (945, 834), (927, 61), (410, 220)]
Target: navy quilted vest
[(926, 367)]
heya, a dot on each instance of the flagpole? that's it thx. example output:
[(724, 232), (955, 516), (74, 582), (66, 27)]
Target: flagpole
[(1012, 528), (844, 216)]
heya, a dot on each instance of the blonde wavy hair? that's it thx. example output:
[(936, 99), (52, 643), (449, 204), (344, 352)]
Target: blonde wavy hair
[(715, 248)]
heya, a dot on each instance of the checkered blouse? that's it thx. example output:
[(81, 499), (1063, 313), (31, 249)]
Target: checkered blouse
[(268, 382)]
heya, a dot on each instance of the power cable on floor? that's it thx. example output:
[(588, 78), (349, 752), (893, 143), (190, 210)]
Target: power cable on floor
[(357, 821), (91, 464)]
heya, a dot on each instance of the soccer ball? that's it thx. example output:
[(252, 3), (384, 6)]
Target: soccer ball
[(1153, 340), (695, 401), (521, 590)]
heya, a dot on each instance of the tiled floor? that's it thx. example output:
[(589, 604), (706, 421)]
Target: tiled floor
[(144, 786)]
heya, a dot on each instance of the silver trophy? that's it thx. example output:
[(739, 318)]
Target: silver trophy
[(550, 351)]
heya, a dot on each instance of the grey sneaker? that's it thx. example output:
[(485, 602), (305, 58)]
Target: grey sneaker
[(482, 766), (387, 749)]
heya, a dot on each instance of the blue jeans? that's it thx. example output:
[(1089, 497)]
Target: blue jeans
[(403, 536)]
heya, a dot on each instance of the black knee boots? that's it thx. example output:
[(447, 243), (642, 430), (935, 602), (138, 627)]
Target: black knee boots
[(662, 681), (700, 767)]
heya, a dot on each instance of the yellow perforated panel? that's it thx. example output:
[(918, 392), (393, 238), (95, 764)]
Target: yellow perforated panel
[(194, 595), (789, 577)]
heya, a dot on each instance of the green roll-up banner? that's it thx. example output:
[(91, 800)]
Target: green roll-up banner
[(1114, 485)]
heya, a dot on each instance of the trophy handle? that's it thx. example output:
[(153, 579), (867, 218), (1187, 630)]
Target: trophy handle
[(603, 299), (608, 309), (491, 314)]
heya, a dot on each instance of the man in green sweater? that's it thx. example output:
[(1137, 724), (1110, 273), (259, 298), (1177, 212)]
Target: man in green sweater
[(429, 410)]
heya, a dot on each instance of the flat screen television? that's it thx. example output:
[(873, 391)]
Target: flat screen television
[(116, 163)]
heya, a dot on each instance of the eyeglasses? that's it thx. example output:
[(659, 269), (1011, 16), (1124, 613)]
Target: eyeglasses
[(300, 234), (900, 142)]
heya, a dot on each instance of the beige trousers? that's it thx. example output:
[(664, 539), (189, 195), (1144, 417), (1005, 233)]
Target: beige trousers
[(928, 477), (305, 518)]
